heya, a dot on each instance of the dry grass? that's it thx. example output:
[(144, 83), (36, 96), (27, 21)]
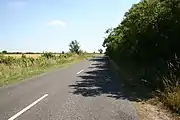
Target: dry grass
[(20, 55), (148, 111)]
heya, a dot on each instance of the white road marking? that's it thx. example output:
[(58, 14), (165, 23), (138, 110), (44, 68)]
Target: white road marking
[(80, 71), (28, 107), (92, 63)]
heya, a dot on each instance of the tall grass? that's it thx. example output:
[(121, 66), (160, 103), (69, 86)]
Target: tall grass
[(171, 94), (152, 82), (14, 69), (171, 97)]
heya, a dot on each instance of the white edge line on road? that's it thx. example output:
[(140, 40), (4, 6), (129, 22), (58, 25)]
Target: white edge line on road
[(80, 71), (93, 63), (28, 107)]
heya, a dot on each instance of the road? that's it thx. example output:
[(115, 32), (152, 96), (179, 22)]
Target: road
[(84, 91)]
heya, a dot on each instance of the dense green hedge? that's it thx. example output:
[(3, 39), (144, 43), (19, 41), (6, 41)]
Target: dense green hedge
[(149, 37)]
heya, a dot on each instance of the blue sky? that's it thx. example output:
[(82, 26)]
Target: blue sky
[(49, 25)]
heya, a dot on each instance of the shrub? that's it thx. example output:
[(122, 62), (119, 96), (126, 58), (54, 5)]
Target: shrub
[(7, 60), (171, 96), (23, 56), (48, 55)]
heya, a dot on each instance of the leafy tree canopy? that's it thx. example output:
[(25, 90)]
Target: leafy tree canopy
[(100, 51), (4, 52), (74, 47)]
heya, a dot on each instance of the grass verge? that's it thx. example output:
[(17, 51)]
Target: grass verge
[(19, 69)]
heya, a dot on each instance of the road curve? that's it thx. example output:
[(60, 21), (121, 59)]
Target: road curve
[(84, 91)]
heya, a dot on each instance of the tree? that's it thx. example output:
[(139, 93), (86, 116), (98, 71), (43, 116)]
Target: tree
[(63, 52), (74, 47), (4, 52), (100, 51), (147, 40), (147, 36)]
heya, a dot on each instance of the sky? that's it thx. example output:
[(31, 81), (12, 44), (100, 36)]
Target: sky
[(50, 25)]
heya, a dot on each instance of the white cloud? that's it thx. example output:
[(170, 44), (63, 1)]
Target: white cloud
[(57, 23), (16, 4)]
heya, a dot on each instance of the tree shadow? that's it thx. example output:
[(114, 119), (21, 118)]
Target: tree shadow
[(94, 67), (98, 59), (103, 80), (96, 82)]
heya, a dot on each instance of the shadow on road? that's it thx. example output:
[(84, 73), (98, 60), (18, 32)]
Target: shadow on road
[(101, 79), (98, 59)]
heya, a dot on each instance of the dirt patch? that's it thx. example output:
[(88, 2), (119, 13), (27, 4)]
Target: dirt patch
[(147, 111)]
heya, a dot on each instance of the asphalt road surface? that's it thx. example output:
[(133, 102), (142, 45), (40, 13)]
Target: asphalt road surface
[(84, 91)]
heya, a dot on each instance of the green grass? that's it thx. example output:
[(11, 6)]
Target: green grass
[(17, 69)]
